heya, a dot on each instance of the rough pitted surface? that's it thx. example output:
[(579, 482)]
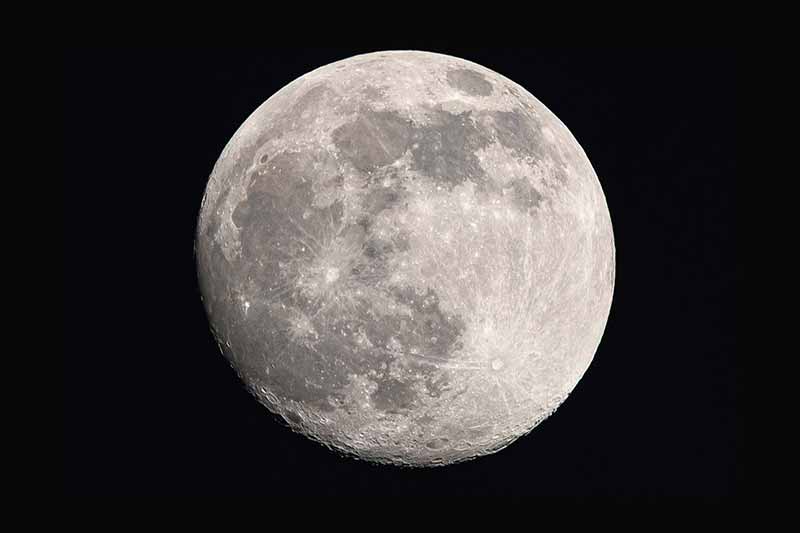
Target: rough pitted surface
[(407, 256)]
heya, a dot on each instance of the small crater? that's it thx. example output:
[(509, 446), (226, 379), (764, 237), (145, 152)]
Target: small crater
[(437, 444), (469, 82), (331, 275), (436, 386), (376, 248), (380, 199), (293, 418)]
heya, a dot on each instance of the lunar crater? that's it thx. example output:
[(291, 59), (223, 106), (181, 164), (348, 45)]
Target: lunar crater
[(407, 257), (469, 81)]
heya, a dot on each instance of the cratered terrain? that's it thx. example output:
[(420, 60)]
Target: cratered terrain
[(406, 256)]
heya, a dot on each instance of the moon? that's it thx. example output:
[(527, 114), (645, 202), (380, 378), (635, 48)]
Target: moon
[(406, 256)]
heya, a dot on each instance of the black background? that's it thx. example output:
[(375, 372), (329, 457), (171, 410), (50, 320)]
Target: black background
[(151, 407)]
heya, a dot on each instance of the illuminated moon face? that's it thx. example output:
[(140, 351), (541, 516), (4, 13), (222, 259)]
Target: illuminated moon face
[(407, 256)]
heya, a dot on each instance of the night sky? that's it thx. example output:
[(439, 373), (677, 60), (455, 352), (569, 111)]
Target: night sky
[(150, 405)]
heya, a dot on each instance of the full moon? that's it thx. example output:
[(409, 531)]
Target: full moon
[(406, 256)]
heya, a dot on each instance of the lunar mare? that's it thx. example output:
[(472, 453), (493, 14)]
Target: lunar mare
[(406, 256)]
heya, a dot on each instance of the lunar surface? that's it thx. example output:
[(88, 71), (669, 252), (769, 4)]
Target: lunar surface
[(407, 257)]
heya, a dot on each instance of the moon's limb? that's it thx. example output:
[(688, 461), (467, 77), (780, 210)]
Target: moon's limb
[(407, 256)]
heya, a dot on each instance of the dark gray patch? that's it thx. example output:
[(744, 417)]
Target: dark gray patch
[(263, 227), (339, 340), (290, 384), (275, 239), (278, 195), (469, 81), (372, 93), (278, 176), (377, 199), (310, 101), (372, 266), (518, 132), (428, 331), (393, 396), (317, 376), (377, 252), (316, 373), (313, 374), (445, 149), (309, 376), (385, 198), (524, 196), (377, 248), (374, 139)]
